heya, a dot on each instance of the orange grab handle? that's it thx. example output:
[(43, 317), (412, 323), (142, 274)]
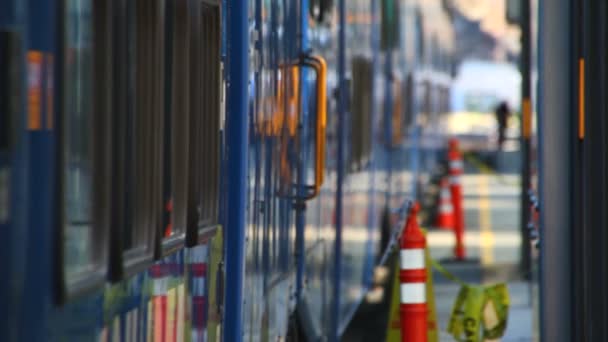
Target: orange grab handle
[(320, 67)]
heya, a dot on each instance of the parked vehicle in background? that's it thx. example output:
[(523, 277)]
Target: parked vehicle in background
[(478, 88)]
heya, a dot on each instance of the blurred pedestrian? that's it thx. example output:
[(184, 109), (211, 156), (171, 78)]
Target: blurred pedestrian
[(502, 117)]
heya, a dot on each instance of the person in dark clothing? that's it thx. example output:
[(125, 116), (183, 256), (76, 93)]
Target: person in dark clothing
[(502, 116)]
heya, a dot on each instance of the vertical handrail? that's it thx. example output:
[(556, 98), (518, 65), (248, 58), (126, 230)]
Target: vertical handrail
[(236, 164), (320, 67)]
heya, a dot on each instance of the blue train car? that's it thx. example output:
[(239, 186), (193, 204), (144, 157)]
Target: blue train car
[(343, 117), (110, 171), (199, 170)]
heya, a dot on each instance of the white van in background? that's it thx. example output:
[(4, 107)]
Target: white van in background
[(476, 91)]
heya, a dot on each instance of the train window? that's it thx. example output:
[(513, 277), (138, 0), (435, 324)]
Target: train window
[(192, 121), (321, 10), (390, 24), (427, 100), (83, 248), (177, 61), (5, 87), (361, 108), (397, 114), (435, 52), (420, 46), (136, 135), (514, 12), (11, 82), (408, 96), (10, 88), (205, 117)]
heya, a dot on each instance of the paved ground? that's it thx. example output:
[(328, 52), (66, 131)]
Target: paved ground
[(491, 203), (492, 221)]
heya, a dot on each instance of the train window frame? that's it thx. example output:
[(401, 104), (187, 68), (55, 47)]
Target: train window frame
[(390, 24), (93, 275)]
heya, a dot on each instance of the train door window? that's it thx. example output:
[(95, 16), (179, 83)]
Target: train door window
[(136, 135), (176, 130), (408, 98), (83, 247), (192, 119), (420, 36), (390, 24), (10, 88), (10, 101), (435, 52), (205, 115), (397, 113), (428, 89), (361, 108)]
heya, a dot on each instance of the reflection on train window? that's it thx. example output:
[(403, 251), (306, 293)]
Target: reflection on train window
[(80, 251), (210, 107), (136, 133), (176, 118), (192, 120)]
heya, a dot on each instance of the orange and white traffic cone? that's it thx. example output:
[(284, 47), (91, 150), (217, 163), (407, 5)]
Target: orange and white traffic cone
[(412, 276), (455, 171), (445, 210)]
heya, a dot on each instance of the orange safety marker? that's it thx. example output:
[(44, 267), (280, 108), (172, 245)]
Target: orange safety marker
[(412, 276), (455, 170), (445, 211)]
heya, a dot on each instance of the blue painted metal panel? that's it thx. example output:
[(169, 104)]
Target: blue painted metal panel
[(237, 49), (39, 282), (13, 176)]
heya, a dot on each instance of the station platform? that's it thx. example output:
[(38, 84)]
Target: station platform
[(493, 242)]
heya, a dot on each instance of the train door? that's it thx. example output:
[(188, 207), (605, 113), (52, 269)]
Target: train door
[(13, 161)]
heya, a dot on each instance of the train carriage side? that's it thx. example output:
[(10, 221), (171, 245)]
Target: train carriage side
[(352, 187), (291, 214), (123, 115), (125, 126), (382, 136), (272, 153)]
